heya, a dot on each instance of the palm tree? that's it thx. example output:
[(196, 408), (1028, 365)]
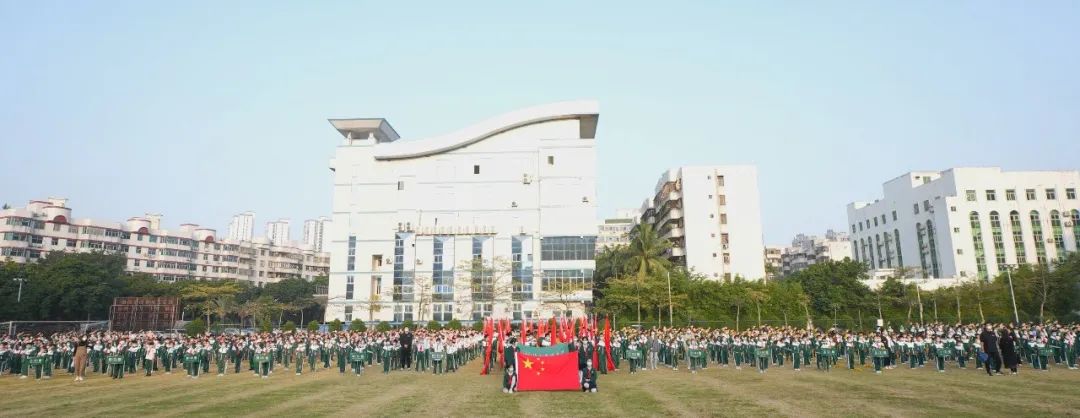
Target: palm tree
[(757, 297), (246, 310), (804, 301), (647, 256), (220, 307)]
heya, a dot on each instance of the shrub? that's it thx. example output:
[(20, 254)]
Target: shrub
[(289, 326), (453, 324), (357, 325), (383, 326), (335, 325), (434, 325), (313, 325), (478, 325), (408, 324), (196, 327)]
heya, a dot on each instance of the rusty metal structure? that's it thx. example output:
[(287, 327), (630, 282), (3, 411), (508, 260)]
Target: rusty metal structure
[(144, 313)]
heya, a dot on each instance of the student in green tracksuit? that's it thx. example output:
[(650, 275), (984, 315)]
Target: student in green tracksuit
[(342, 352), (301, 351), (220, 355), (386, 358)]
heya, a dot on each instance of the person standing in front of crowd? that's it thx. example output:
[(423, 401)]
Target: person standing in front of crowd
[(79, 361), (1007, 344), (989, 342), (406, 341)]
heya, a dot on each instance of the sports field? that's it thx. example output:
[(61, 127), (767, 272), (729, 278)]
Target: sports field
[(713, 392)]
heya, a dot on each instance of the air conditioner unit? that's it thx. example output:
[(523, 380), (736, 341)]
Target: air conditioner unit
[(1068, 224), (526, 179)]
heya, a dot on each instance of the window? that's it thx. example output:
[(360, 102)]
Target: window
[(1010, 194), (970, 195), (875, 221), (403, 313), (350, 261), (567, 280), (956, 230), (860, 226), (348, 313), (400, 185), (136, 262), (720, 181), (926, 205), (959, 251), (723, 219), (521, 272), (894, 215), (1070, 194), (1018, 237), (1051, 194), (991, 195), (852, 228), (710, 196), (568, 248), (71, 243), (952, 208), (56, 241), (1030, 194), (723, 200), (883, 219), (442, 274), (551, 160), (476, 169), (916, 207), (349, 287), (1037, 234), (442, 312)]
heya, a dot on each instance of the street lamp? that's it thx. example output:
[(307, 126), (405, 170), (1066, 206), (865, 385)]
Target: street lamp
[(1012, 294), (18, 299)]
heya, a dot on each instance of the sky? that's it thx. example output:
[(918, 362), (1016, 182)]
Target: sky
[(200, 110)]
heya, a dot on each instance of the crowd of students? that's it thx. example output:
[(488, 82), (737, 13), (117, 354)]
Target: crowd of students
[(942, 346), (116, 354)]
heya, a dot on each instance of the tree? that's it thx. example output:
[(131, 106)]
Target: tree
[(221, 306), (247, 310), (434, 325), (357, 325), (195, 327), (289, 326), (382, 326), (647, 256), (453, 324), (757, 297), (6, 207), (482, 281), (335, 325), (313, 325)]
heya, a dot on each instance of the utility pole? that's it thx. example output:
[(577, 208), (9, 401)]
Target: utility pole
[(671, 318), (18, 298), (1012, 294)]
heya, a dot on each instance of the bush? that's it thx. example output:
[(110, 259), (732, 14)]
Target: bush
[(434, 325), (478, 326), (383, 326), (196, 327), (453, 324), (335, 325), (357, 325), (265, 326), (313, 325), (289, 326), (408, 324)]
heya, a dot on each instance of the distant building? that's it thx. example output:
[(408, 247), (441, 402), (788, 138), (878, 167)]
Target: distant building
[(242, 227), (278, 231), (190, 252), (968, 222), (773, 260), (315, 232), (616, 231), (712, 217), (807, 250)]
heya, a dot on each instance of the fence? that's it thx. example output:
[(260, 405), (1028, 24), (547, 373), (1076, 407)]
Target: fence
[(12, 328)]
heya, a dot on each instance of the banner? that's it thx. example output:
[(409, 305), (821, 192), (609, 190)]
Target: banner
[(555, 372), (543, 351)]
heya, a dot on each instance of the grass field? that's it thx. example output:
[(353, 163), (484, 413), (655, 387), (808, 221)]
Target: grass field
[(713, 392)]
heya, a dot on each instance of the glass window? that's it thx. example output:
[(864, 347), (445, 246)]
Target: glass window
[(1010, 194), (400, 185), (926, 205), (567, 280), (991, 195), (1070, 194), (349, 286), (568, 248), (894, 215), (551, 160), (1051, 194), (916, 207), (476, 169), (1030, 194), (970, 195)]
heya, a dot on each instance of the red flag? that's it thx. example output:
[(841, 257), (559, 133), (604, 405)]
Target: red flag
[(607, 345), (487, 351), (499, 347), (555, 331), (557, 372)]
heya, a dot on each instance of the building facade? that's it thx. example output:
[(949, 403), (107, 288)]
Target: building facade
[(278, 231), (712, 217), (968, 222), (774, 262), (190, 252), (497, 219), (242, 227), (315, 233), (613, 232), (807, 250)]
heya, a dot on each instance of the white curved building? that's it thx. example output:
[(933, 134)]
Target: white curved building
[(496, 219)]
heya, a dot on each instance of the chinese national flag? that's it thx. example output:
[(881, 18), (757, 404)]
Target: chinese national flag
[(557, 372)]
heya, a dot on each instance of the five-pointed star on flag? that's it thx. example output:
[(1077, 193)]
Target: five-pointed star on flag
[(528, 364)]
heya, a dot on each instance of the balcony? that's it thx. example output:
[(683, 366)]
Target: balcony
[(673, 233), (675, 252)]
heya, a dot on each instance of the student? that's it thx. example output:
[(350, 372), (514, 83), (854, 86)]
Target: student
[(149, 359), (588, 378)]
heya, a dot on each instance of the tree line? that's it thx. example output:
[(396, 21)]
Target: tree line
[(632, 284)]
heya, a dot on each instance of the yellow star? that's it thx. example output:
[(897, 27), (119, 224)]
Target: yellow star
[(528, 364)]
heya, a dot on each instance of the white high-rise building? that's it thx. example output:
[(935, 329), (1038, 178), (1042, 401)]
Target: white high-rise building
[(242, 227), (616, 231), (807, 250), (315, 232), (712, 217), (968, 222), (497, 219), (278, 231)]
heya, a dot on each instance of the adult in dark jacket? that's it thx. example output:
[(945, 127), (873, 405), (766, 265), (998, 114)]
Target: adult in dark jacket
[(989, 342), (1007, 343), (406, 340)]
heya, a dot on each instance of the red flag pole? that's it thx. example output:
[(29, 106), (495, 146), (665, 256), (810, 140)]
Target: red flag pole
[(607, 344)]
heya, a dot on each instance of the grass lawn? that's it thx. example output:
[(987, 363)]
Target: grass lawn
[(713, 392)]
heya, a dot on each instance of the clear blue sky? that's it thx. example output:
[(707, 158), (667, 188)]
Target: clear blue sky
[(200, 110)]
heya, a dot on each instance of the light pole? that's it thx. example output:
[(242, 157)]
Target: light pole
[(1012, 294), (18, 298)]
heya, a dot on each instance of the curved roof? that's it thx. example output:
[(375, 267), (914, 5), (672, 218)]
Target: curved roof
[(588, 111)]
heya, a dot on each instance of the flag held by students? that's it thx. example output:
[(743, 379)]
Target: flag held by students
[(547, 373)]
